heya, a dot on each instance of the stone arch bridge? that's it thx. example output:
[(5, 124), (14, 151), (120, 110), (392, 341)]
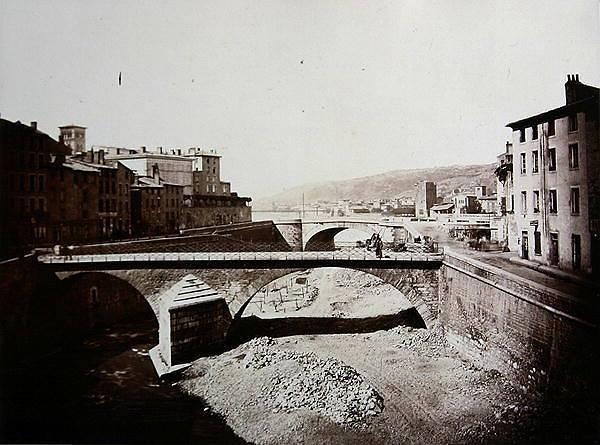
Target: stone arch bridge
[(238, 277), (306, 235)]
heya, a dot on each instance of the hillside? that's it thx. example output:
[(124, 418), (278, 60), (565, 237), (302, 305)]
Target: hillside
[(385, 185)]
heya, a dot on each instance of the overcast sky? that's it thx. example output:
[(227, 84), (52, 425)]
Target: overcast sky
[(296, 91)]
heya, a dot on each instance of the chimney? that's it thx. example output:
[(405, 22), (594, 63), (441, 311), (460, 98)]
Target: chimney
[(179, 151), (118, 151), (101, 157), (143, 149), (34, 125), (160, 150), (92, 155)]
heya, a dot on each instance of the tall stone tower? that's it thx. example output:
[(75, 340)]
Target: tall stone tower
[(73, 136), (425, 198)]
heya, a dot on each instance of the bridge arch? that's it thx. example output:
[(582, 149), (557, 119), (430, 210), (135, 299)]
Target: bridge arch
[(322, 234), (98, 299), (420, 288), (239, 286)]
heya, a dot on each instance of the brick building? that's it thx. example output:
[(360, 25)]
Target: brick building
[(556, 182)]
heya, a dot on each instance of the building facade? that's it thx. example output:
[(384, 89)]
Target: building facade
[(173, 168), (73, 136), (155, 205), (556, 182)]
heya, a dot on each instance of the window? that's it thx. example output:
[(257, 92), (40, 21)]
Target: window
[(537, 243), (573, 156), (523, 163), (575, 200), (576, 251), (552, 159), (523, 203), (573, 122), (21, 183), (554, 249), (522, 135), (536, 201), (551, 128), (534, 132), (41, 184), (512, 203), (94, 295), (553, 201), (535, 162), (32, 183)]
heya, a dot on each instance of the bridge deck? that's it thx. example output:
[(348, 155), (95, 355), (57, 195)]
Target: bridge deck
[(234, 260)]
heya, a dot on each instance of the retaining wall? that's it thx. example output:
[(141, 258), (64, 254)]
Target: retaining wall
[(537, 334)]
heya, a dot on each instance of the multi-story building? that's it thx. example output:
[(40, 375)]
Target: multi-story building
[(206, 171), (174, 168), (73, 136), (155, 205), (45, 198), (114, 204), (556, 182), (425, 198)]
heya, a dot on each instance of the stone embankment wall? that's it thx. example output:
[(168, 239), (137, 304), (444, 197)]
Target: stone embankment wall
[(292, 233), (537, 334)]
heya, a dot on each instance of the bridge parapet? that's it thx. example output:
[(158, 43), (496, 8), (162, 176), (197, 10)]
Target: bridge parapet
[(220, 260)]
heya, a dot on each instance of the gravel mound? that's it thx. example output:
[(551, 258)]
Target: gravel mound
[(428, 342), (327, 386)]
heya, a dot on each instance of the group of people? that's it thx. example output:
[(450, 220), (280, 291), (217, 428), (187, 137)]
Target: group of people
[(375, 242)]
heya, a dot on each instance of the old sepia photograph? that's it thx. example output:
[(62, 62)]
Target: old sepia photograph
[(279, 222)]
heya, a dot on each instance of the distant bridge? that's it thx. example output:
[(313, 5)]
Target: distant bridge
[(306, 235)]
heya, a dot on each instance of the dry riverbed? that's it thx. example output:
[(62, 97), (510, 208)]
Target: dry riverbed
[(402, 385), (398, 386)]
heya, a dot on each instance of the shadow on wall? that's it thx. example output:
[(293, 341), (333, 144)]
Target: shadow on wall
[(95, 300), (246, 328), (41, 313)]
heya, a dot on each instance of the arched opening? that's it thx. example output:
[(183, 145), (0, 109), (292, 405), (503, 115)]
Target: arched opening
[(324, 301), (94, 300)]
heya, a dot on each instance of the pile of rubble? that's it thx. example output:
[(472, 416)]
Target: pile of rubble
[(326, 386), (427, 342)]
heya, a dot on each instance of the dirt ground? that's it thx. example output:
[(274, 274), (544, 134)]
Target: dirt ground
[(429, 394), (328, 292)]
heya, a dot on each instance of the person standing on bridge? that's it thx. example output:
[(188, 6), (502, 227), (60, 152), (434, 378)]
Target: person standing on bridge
[(379, 248)]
